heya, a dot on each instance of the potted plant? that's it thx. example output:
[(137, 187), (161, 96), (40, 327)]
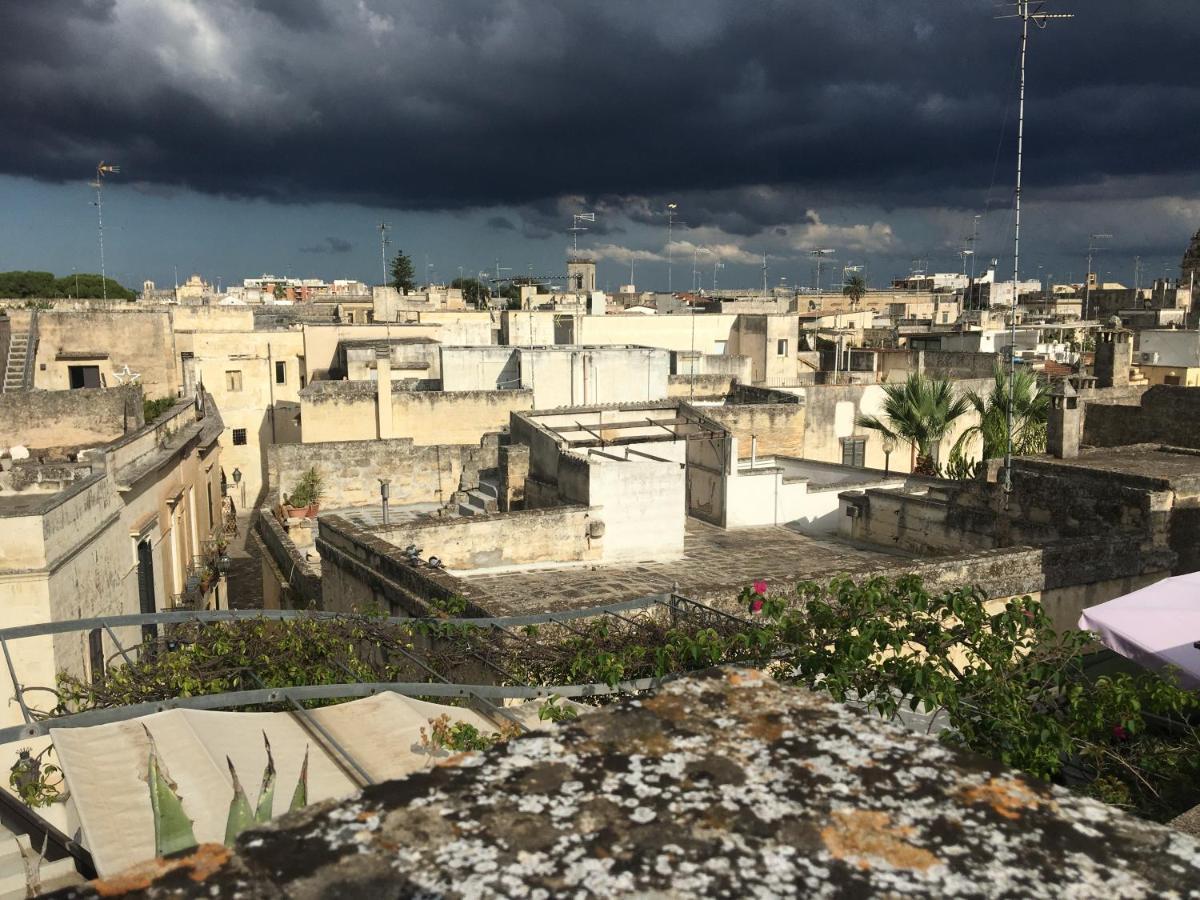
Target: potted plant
[(305, 499)]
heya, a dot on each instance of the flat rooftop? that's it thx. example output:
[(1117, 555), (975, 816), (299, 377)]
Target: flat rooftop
[(1150, 461), (714, 560)]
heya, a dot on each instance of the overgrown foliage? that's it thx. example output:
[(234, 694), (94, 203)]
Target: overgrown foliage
[(45, 285), (308, 489), (152, 409), (475, 292), (996, 676)]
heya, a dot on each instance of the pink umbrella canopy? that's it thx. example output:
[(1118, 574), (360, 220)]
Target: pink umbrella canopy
[(1155, 626)]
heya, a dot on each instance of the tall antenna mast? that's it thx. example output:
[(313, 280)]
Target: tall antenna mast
[(102, 169), (384, 240), (575, 228), (671, 207), (1087, 287), (1038, 18), (764, 271)]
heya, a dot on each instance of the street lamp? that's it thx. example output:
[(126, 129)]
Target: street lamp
[(237, 480), (889, 444)]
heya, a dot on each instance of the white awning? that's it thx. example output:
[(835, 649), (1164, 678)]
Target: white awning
[(1155, 626)]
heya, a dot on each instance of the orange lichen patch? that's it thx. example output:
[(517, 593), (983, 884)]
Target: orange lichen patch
[(745, 677), (1007, 796), (765, 728), (670, 707), (860, 836), (203, 862)]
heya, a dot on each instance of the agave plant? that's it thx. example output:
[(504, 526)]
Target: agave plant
[(172, 827)]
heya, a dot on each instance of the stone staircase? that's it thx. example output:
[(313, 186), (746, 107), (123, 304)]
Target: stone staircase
[(479, 500), (18, 355)]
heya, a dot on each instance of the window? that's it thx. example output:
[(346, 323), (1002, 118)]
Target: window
[(233, 380), (83, 376), (781, 347), (302, 380), (854, 452), (281, 372), (239, 437)]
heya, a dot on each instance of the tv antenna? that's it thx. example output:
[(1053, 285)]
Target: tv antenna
[(102, 169), (384, 240), (1029, 13), (575, 228)]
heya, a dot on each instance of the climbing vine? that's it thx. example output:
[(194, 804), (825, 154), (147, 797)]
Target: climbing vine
[(993, 677)]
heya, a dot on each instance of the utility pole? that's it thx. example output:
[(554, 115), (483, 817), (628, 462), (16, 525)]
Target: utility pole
[(1039, 19), (102, 169), (383, 245), (671, 207)]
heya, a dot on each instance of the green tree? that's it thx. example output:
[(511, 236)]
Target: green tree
[(855, 287), (919, 412), (403, 278), (1031, 400), (44, 285), (474, 291)]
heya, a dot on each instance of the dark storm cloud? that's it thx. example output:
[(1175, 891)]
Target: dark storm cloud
[(331, 245), (617, 105), (501, 223)]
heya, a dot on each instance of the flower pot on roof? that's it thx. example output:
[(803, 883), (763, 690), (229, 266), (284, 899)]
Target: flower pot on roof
[(305, 501)]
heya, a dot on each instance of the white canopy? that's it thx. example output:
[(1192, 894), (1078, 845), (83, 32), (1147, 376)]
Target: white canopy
[(1155, 626), (105, 766)]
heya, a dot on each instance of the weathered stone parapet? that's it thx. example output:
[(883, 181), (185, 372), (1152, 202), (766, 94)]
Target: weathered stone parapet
[(723, 784)]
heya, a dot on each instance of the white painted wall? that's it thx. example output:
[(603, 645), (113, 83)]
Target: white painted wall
[(643, 507), (766, 495)]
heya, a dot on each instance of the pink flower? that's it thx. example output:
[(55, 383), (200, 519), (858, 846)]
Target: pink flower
[(756, 605), (760, 588), (1119, 732)]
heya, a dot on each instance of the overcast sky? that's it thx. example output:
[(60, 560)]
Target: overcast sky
[(274, 135)]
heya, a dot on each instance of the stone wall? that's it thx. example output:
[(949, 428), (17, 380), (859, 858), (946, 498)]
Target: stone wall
[(360, 572), (1166, 414), (779, 427), (351, 470), (553, 535), (789, 794), (87, 416), (700, 387), (141, 340)]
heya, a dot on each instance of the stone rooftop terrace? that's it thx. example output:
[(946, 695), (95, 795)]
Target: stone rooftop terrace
[(1150, 461), (723, 784), (715, 561)]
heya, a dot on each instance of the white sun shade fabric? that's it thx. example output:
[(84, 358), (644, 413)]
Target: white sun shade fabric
[(105, 766), (1154, 626)]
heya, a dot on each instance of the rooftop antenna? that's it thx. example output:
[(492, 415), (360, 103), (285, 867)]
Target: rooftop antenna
[(102, 169), (819, 255), (575, 228), (384, 240), (764, 273), (1039, 19), (1093, 246), (671, 207)]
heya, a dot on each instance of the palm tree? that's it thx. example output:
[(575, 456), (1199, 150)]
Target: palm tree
[(1031, 400), (854, 288), (918, 412)]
